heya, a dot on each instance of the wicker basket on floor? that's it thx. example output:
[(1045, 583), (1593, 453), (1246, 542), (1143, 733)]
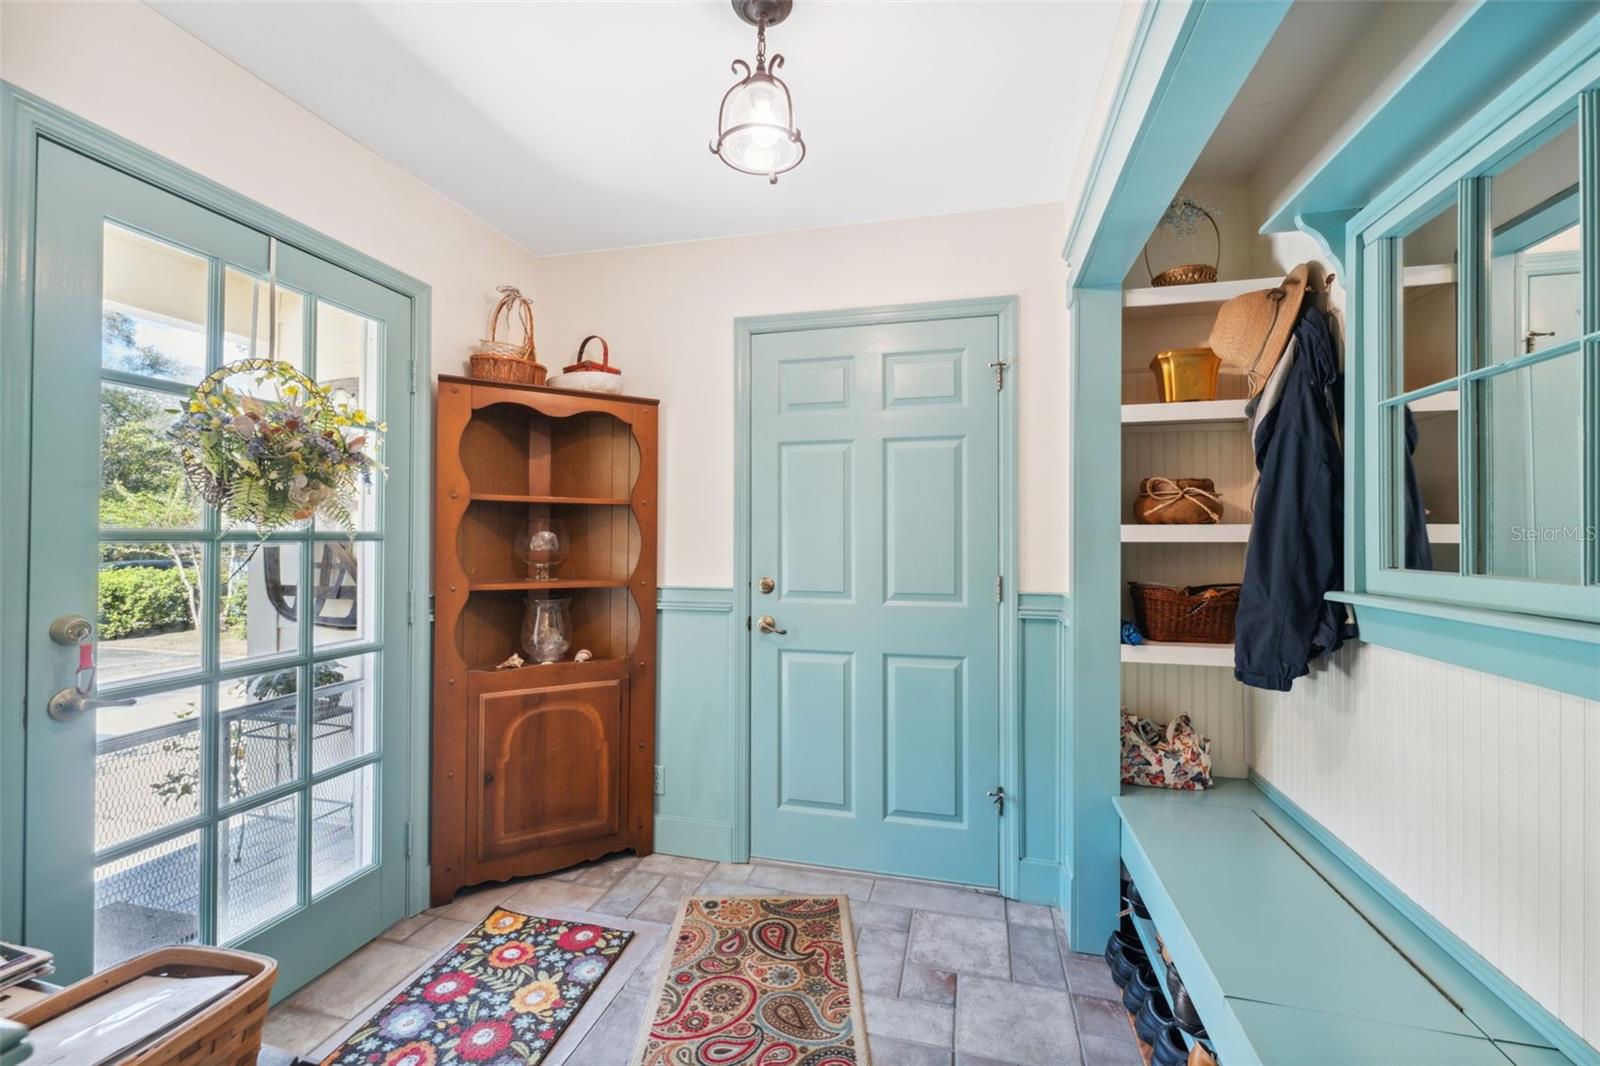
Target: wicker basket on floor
[(227, 1032), (1197, 614)]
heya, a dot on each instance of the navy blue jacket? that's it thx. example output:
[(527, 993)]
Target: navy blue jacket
[(1296, 550)]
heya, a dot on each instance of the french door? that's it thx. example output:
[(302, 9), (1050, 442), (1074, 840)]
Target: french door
[(238, 773)]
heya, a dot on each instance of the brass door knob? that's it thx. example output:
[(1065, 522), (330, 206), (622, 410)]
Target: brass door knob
[(766, 585), (768, 624)]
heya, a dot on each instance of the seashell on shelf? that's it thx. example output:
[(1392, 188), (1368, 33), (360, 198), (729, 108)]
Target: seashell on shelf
[(583, 656), (512, 663)]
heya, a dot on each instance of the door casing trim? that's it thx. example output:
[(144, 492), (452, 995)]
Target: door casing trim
[(1004, 310), (26, 119)]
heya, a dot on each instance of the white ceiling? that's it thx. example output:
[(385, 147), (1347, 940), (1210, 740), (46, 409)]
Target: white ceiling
[(574, 126)]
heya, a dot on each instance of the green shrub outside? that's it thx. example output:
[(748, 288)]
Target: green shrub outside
[(138, 600)]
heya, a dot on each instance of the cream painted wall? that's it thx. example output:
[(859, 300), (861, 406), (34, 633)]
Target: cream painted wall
[(125, 67), (668, 313)]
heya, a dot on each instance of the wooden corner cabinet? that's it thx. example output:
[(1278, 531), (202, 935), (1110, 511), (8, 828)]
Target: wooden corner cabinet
[(540, 766)]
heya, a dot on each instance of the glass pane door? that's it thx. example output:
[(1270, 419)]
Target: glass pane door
[(240, 759)]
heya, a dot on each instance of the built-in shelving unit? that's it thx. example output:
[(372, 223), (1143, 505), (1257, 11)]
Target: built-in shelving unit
[(1206, 438)]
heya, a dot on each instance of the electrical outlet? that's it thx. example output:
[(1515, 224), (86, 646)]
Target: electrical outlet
[(661, 780)]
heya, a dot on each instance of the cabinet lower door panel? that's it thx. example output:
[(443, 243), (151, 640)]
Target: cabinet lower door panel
[(547, 768)]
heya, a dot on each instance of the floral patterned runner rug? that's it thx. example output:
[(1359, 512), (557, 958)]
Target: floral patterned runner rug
[(763, 980), (503, 995)]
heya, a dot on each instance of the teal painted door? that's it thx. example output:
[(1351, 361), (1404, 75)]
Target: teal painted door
[(875, 512), (246, 781)]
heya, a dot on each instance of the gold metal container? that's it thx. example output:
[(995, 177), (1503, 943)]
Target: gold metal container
[(1186, 374)]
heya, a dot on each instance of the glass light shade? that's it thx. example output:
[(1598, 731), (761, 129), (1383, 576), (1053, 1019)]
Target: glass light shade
[(756, 132), (546, 629), (543, 545)]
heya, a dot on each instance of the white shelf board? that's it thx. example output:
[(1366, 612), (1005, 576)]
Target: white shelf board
[(1190, 299), (1428, 274), (1179, 654), (1438, 403), (1219, 533), (1146, 414)]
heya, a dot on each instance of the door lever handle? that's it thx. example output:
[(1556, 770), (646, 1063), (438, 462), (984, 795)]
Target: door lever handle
[(69, 704), (768, 624)]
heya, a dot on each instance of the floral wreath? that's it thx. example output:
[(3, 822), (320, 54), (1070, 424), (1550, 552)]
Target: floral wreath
[(279, 453)]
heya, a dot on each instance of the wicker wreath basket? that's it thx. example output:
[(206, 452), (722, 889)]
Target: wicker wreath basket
[(226, 1032), (499, 360), (1198, 614)]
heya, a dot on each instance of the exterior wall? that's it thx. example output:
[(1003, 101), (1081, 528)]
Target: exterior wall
[(668, 313), (1473, 794), (127, 68)]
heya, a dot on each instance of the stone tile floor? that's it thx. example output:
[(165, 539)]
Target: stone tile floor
[(950, 975)]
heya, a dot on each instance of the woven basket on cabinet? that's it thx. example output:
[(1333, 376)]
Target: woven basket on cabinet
[(510, 364)]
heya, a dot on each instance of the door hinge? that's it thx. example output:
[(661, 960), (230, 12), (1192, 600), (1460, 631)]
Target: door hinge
[(408, 840), (1000, 589), (999, 366), (411, 608), (413, 375)]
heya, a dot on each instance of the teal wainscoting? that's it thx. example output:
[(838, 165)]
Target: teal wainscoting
[(698, 740), (1041, 688), (696, 743)]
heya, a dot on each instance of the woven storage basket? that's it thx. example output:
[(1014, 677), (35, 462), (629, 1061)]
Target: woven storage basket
[(496, 360), (1177, 501), (1198, 614), (227, 1032)]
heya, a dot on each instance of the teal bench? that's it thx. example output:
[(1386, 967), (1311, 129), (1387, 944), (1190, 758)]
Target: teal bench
[(1292, 957)]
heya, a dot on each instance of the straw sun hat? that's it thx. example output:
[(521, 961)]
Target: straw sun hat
[(1251, 330)]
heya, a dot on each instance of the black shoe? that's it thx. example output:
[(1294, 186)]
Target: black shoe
[(1141, 988), (1169, 1048), (1135, 903), (1153, 1017), (1183, 1011), (1124, 959)]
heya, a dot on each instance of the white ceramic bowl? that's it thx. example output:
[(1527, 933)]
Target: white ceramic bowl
[(588, 381)]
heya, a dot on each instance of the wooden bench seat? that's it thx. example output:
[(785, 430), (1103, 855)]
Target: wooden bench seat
[(1290, 956)]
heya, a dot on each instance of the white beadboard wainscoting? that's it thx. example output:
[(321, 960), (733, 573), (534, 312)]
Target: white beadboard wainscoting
[(1477, 796), (1217, 704)]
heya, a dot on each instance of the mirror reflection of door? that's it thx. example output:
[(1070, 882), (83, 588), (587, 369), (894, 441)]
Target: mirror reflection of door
[(1530, 431)]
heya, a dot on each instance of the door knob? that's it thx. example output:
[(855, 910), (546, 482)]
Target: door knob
[(768, 624), (766, 585)]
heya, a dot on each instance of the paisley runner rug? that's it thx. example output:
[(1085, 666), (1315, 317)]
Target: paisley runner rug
[(502, 995), (758, 980)]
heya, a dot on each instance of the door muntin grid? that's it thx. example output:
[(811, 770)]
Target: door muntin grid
[(240, 782)]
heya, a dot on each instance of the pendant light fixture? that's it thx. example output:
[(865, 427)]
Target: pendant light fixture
[(755, 125)]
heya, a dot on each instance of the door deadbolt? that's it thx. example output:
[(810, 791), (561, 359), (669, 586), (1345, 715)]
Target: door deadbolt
[(766, 585)]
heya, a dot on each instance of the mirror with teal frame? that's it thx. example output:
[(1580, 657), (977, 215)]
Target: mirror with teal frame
[(1487, 379)]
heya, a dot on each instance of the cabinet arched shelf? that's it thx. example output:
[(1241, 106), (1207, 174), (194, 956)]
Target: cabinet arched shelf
[(510, 798)]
